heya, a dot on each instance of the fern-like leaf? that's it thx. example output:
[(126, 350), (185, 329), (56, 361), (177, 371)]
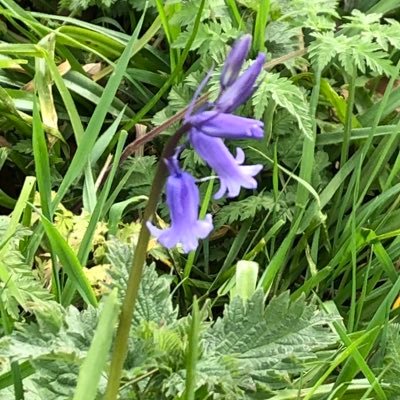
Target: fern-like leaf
[(284, 93), (371, 28), (361, 51), (244, 209), (23, 288)]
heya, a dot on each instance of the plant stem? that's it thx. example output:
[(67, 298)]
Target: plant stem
[(260, 25), (193, 352), (135, 275)]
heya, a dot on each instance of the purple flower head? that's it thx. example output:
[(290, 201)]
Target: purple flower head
[(207, 129), (235, 60), (231, 173), (183, 201), (242, 88), (214, 123)]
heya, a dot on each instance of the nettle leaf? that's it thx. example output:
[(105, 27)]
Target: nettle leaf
[(68, 341), (56, 381), (271, 343), (154, 301), (287, 95), (216, 378), (254, 344), (391, 360), (55, 345), (251, 345), (244, 209)]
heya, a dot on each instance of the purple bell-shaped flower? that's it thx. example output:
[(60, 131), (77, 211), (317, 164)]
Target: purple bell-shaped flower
[(210, 127), (183, 201), (229, 126), (207, 129), (231, 173)]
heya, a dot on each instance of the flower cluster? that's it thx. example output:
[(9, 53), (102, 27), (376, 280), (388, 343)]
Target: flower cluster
[(207, 130)]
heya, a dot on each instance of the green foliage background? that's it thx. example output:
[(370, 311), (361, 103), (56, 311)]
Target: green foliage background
[(79, 82)]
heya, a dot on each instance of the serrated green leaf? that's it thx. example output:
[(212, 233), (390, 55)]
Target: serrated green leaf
[(244, 209), (288, 96), (154, 301)]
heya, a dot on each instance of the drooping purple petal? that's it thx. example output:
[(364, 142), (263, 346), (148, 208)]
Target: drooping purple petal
[(222, 125), (242, 88), (234, 61), (231, 173), (183, 202)]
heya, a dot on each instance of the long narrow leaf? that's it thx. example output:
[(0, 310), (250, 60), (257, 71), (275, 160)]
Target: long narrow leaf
[(70, 262), (92, 131), (93, 366), (42, 165)]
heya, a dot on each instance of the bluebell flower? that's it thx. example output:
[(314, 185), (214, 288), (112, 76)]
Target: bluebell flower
[(207, 130), (217, 124), (232, 174), (183, 201), (234, 61), (242, 88), (210, 126)]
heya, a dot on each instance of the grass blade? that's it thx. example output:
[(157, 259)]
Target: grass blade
[(93, 366), (92, 131), (42, 164), (70, 262)]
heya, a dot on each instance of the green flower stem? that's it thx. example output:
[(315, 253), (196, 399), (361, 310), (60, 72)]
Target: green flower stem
[(135, 275)]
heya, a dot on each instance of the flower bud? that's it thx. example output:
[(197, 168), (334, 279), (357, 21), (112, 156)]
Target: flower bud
[(235, 60), (242, 88)]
